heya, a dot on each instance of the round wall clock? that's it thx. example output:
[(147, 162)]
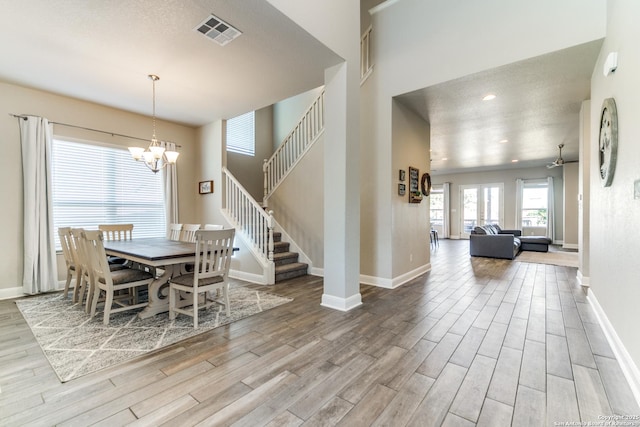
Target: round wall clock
[(608, 141)]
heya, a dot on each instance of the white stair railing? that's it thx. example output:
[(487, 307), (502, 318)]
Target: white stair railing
[(250, 219), (301, 138)]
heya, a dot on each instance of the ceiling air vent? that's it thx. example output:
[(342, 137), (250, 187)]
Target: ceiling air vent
[(217, 30)]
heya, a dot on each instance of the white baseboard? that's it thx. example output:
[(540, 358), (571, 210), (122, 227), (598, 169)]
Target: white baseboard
[(9, 293), (397, 281), (629, 368), (342, 304), (316, 271), (582, 280), (454, 237), (248, 277), (570, 245)]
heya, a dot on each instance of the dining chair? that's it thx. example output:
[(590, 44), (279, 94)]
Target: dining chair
[(214, 249), (67, 243), (116, 232), (189, 232), (174, 231), (108, 281), (213, 227)]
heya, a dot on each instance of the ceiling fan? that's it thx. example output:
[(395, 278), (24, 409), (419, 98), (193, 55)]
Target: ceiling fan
[(559, 161)]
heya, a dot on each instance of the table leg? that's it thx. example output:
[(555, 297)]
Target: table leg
[(159, 293)]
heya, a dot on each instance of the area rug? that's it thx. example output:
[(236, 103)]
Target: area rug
[(561, 258), (77, 345)]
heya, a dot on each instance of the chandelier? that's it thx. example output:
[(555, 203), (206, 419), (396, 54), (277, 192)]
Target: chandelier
[(155, 157)]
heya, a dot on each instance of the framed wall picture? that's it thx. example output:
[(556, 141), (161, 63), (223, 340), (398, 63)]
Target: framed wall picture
[(402, 188), (206, 187), (401, 175), (415, 195)]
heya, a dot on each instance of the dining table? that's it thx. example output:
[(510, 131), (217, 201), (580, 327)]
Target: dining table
[(165, 255)]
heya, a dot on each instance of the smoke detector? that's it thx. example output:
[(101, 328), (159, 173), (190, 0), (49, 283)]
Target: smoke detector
[(217, 30)]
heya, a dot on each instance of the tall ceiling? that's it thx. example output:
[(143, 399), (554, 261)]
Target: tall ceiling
[(536, 108), (102, 51)]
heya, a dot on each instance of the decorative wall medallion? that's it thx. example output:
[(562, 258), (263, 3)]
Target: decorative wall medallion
[(608, 141)]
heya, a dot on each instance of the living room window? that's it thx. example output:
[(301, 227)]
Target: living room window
[(436, 206), (535, 203), (95, 184), (241, 134)]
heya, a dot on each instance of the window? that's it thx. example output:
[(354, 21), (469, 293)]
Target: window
[(534, 203), (241, 134), (95, 184), (436, 207)]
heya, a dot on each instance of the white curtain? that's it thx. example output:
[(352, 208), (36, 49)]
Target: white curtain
[(40, 272), (550, 210), (170, 178), (519, 188), (446, 191)]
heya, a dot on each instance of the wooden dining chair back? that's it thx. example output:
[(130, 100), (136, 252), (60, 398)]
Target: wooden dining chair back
[(213, 227), (66, 240), (82, 264), (189, 232), (214, 249), (110, 282), (174, 231), (116, 231)]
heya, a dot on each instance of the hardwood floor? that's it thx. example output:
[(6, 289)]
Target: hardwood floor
[(474, 342)]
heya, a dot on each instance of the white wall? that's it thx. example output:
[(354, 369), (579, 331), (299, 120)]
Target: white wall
[(287, 114), (18, 100), (570, 198), (508, 177), (614, 225)]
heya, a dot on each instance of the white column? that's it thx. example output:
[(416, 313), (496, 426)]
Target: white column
[(341, 190)]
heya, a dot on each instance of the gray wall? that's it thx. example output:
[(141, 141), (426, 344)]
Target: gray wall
[(248, 169), (287, 114), (508, 178), (570, 196)]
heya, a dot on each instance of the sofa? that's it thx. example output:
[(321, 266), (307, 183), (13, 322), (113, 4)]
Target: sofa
[(492, 241)]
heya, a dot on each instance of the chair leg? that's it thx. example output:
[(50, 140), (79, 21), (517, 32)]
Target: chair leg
[(66, 285), (227, 304), (94, 301), (172, 303), (108, 302), (90, 296), (195, 309)]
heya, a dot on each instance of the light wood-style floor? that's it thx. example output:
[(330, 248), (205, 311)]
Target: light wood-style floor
[(474, 342)]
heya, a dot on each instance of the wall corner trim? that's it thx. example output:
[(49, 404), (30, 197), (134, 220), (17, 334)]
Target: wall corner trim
[(382, 282), (9, 293), (342, 304), (260, 279), (629, 368), (582, 280)]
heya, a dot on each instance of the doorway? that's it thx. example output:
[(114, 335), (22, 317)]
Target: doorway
[(479, 205)]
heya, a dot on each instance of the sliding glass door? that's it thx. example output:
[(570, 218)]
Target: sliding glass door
[(479, 205)]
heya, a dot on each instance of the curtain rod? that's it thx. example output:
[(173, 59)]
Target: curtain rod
[(24, 117)]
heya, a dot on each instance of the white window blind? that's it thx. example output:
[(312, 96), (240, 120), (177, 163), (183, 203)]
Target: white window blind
[(95, 185), (241, 134)]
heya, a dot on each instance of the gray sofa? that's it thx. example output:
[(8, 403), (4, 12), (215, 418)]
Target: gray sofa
[(492, 241)]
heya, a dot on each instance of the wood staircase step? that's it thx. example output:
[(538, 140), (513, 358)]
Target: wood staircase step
[(289, 271)]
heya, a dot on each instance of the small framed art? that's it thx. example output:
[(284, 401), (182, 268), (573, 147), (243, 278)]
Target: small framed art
[(402, 188), (206, 187)]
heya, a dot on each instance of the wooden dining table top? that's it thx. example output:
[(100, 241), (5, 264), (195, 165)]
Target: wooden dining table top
[(154, 251)]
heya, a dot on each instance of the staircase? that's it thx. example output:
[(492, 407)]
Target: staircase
[(286, 262)]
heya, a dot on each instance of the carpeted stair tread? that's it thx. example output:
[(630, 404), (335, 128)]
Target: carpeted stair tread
[(289, 271), (280, 247), (284, 258)]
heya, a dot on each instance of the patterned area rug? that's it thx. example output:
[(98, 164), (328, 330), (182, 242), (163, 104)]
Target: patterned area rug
[(77, 345)]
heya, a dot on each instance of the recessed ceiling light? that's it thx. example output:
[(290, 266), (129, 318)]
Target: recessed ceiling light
[(514, 161), (444, 158), (503, 141), (489, 97)]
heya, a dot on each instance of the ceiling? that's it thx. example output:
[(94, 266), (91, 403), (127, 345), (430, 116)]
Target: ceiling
[(103, 51), (536, 107)]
